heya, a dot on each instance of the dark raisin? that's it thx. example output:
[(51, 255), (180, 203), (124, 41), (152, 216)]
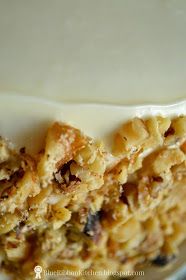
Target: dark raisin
[(123, 198), (157, 179), (4, 196), (92, 227), (170, 131), (163, 260), (41, 151), (59, 177), (22, 224), (17, 175), (127, 189), (74, 178), (22, 150), (65, 167)]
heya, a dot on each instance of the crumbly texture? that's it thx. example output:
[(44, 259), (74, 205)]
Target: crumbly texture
[(76, 206)]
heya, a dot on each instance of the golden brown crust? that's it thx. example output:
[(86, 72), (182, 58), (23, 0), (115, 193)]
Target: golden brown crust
[(62, 143)]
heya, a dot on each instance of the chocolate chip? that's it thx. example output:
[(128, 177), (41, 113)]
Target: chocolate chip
[(163, 260)]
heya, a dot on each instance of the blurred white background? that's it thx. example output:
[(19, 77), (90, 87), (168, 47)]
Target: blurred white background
[(112, 51)]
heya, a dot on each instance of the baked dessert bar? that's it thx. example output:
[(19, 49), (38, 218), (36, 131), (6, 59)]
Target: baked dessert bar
[(77, 206)]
